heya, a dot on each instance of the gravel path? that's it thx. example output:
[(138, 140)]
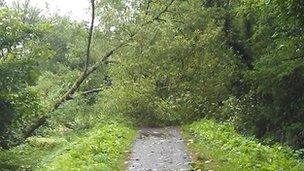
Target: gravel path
[(159, 149)]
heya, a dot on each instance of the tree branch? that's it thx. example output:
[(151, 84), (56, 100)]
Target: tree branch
[(164, 10), (159, 14), (88, 52), (88, 92), (96, 90), (87, 72)]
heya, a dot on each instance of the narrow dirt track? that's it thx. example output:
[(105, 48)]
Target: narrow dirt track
[(159, 149)]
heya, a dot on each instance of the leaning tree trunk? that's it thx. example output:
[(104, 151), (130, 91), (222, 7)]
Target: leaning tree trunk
[(87, 70), (69, 94)]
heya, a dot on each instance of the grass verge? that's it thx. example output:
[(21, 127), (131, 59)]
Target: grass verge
[(103, 147), (217, 146)]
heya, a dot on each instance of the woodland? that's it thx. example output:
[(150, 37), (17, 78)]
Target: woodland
[(229, 73)]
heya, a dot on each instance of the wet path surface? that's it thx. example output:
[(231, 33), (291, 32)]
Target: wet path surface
[(159, 149)]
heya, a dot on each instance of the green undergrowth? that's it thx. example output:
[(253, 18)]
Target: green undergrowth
[(217, 146), (104, 147)]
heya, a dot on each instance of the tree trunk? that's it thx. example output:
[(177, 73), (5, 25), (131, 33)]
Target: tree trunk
[(87, 71)]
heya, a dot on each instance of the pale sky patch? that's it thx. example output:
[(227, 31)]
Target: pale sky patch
[(76, 9)]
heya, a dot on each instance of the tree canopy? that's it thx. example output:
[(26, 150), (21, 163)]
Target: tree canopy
[(155, 63)]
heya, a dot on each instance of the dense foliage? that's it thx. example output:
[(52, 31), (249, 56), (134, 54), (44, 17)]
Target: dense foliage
[(153, 63), (240, 61), (22, 52)]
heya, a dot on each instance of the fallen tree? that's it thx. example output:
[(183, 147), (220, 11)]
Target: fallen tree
[(88, 70)]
